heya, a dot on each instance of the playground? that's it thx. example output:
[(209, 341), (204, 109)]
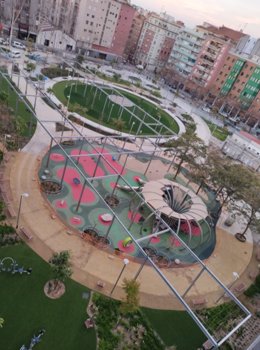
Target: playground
[(80, 207)]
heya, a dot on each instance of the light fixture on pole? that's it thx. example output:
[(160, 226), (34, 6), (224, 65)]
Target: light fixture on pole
[(6, 136), (131, 127), (26, 195), (126, 262), (236, 277)]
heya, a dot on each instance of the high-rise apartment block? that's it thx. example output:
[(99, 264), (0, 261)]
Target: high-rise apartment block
[(156, 41)]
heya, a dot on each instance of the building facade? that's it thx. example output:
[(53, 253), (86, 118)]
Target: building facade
[(156, 41), (245, 148), (236, 91)]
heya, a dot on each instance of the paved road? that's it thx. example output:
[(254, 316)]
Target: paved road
[(255, 345)]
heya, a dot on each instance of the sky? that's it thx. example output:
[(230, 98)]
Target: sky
[(236, 14)]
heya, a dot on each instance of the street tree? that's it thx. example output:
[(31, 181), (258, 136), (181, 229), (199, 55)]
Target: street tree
[(131, 304), (188, 148), (249, 206), (60, 266), (15, 7), (231, 180)]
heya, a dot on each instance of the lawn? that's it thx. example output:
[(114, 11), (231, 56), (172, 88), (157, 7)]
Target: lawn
[(217, 131), (28, 122), (176, 328), (26, 309), (93, 106)]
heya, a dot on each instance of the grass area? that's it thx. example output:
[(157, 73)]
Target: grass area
[(26, 309), (27, 121), (217, 131), (176, 328), (92, 105)]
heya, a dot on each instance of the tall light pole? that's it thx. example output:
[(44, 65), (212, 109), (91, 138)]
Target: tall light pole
[(26, 195), (126, 262), (131, 127), (6, 136), (236, 277)]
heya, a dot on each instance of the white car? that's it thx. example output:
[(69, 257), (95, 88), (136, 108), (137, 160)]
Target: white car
[(3, 42), (15, 54), (206, 109), (18, 45)]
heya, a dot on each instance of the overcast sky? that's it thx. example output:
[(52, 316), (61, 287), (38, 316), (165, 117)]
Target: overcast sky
[(237, 14)]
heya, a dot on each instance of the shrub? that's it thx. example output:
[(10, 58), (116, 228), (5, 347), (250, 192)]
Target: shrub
[(6, 229)]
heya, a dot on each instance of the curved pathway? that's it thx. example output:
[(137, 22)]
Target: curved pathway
[(91, 264)]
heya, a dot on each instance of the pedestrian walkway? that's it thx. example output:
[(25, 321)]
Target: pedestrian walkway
[(91, 264)]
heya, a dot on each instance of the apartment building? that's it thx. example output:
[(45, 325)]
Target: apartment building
[(101, 28), (198, 56), (236, 91), (37, 15), (134, 34), (185, 51), (156, 41), (209, 61)]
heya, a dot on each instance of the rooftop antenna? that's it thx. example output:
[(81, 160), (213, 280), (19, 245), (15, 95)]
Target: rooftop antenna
[(243, 28)]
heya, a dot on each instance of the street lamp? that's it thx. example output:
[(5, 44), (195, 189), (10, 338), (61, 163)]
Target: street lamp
[(131, 127), (26, 195), (6, 136), (126, 262), (236, 277)]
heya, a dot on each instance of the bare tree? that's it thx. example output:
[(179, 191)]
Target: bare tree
[(16, 7)]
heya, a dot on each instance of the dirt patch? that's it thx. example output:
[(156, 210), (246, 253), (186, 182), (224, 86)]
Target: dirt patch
[(54, 290), (120, 100)]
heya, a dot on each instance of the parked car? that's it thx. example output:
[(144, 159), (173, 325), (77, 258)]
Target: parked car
[(18, 45), (3, 42), (15, 54), (206, 109)]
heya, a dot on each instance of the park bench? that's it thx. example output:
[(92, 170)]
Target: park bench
[(10, 210), (26, 233), (100, 284), (253, 274), (240, 288), (200, 301)]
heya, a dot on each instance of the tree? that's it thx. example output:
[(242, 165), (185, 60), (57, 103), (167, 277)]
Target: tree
[(231, 180), (189, 148), (16, 7), (60, 266), (1, 322), (119, 124), (250, 196), (117, 77), (50, 91), (131, 288), (199, 173)]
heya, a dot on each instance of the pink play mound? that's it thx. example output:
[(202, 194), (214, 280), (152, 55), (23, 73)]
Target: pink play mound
[(135, 217), (174, 241), (70, 174), (56, 157), (106, 223), (195, 230), (75, 220), (112, 163), (136, 178), (155, 240), (61, 204), (129, 249), (87, 163)]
